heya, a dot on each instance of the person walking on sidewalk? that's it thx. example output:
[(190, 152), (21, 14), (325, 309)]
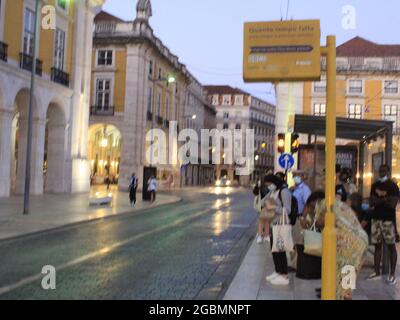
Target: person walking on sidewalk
[(152, 185), (133, 184), (282, 198), (383, 200)]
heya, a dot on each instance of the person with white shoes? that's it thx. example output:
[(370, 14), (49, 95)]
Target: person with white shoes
[(282, 199), (261, 192)]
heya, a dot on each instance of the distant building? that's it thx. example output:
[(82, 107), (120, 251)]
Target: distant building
[(237, 109), (137, 85), (60, 99), (198, 114)]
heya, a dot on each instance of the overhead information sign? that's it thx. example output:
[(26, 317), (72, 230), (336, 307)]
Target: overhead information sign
[(282, 51)]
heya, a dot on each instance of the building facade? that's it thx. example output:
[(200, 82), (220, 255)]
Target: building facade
[(198, 114), (237, 109), (367, 88), (137, 85), (60, 100)]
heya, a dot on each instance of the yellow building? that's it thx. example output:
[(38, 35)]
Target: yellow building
[(132, 91), (61, 97), (367, 88)]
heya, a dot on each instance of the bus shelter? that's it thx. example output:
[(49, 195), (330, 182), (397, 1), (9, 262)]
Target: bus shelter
[(370, 141)]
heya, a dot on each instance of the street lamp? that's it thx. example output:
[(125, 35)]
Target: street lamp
[(30, 115)]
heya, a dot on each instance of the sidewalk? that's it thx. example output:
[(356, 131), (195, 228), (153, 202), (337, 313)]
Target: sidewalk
[(250, 284), (53, 211)]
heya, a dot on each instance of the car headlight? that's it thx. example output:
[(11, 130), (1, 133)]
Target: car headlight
[(228, 182), (218, 183)]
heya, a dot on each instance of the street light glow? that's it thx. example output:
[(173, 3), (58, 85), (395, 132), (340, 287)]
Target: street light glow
[(171, 78)]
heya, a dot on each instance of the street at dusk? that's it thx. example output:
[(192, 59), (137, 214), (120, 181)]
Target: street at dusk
[(196, 158), (187, 250)]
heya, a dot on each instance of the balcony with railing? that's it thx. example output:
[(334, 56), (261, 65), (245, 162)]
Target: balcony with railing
[(102, 111), (60, 77), (26, 61), (3, 51)]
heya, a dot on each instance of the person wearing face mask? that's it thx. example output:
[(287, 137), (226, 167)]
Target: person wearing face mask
[(383, 200), (281, 198)]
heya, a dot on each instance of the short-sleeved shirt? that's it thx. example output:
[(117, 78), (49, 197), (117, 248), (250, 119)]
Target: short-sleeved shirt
[(301, 192), (384, 211)]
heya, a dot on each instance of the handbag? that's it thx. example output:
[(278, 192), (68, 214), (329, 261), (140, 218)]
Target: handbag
[(257, 203), (282, 235), (313, 241)]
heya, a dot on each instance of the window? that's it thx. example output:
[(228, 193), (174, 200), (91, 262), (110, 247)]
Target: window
[(391, 87), (59, 47), (226, 115), (159, 74), (215, 99), (226, 126), (227, 100), (29, 30), (159, 105), (166, 108), (320, 86), (151, 67), (390, 112), (355, 86), (319, 109), (238, 127), (105, 58), (103, 94), (355, 111), (239, 100), (150, 101)]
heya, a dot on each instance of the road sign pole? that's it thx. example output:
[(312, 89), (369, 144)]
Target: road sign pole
[(329, 234)]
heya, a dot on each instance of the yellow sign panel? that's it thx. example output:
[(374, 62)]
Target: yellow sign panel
[(282, 51)]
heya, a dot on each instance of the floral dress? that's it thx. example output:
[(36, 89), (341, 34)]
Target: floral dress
[(352, 243)]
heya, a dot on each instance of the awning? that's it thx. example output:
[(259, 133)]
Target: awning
[(352, 129)]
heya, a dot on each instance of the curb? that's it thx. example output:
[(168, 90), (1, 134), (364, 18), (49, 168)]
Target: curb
[(78, 223)]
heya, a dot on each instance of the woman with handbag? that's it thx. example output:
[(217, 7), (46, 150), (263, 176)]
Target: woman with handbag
[(278, 207)]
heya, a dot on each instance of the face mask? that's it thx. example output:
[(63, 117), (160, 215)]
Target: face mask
[(272, 187), (297, 180), (383, 179), (365, 206)]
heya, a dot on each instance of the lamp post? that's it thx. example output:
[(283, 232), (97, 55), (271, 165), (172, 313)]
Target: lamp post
[(30, 115)]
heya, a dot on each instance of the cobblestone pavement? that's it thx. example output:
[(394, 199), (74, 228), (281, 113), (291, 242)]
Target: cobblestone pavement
[(189, 250)]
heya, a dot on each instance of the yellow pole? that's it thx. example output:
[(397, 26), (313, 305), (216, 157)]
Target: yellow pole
[(329, 233)]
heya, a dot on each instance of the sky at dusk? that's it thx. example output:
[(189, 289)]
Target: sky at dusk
[(207, 35)]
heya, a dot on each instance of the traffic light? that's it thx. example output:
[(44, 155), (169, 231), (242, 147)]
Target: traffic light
[(295, 143), (281, 143)]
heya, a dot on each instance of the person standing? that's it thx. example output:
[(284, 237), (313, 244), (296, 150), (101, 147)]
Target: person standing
[(282, 197), (383, 200), (301, 191), (261, 191), (152, 185), (133, 184)]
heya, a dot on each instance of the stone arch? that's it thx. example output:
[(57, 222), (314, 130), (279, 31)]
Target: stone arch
[(19, 133), (55, 149), (104, 152)]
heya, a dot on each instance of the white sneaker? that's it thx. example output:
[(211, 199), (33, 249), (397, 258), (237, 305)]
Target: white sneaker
[(280, 281), (373, 277), (272, 276), (259, 239), (267, 239)]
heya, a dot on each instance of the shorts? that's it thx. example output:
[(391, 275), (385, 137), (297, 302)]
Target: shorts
[(382, 230)]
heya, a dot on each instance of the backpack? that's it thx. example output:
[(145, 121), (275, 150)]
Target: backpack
[(294, 209)]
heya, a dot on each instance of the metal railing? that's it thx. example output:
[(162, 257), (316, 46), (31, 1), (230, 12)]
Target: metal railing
[(3, 51), (60, 77), (25, 62), (102, 110)]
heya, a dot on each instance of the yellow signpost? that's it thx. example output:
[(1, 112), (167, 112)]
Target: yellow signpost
[(282, 50), (291, 51)]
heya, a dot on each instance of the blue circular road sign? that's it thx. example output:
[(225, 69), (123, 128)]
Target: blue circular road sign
[(286, 161)]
